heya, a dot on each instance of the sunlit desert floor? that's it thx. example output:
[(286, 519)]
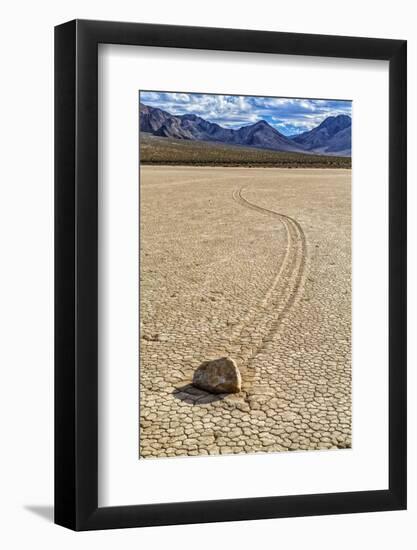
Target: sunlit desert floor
[(253, 263)]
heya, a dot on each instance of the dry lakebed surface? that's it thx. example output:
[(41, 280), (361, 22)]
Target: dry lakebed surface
[(253, 264)]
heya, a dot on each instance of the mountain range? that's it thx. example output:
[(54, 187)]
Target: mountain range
[(331, 137)]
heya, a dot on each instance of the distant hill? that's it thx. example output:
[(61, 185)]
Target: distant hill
[(262, 135), (333, 135)]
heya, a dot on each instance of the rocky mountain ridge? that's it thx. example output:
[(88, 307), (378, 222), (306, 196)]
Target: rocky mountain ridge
[(332, 136)]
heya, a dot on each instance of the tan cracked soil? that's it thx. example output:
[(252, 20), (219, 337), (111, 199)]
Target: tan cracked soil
[(254, 263)]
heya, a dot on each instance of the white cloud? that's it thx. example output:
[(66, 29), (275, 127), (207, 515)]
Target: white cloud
[(288, 115)]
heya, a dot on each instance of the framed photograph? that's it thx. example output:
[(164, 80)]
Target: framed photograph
[(230, 275)]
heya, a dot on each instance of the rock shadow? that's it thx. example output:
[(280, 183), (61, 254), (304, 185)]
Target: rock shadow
[(194, 396)]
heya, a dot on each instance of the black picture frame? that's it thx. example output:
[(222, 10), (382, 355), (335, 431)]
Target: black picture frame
[(76, 273)]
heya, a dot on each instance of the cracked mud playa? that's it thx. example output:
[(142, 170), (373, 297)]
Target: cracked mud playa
[(254, 264)]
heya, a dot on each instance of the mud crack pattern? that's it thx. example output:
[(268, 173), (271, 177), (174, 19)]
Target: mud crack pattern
[(265, 278)]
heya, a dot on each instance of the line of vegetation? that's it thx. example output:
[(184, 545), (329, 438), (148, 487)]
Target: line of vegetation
[(165, 151)]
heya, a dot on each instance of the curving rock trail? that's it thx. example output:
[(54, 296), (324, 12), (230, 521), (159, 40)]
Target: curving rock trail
[(255, 332)]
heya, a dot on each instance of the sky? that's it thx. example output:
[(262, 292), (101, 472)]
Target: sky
[(288, 115)]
